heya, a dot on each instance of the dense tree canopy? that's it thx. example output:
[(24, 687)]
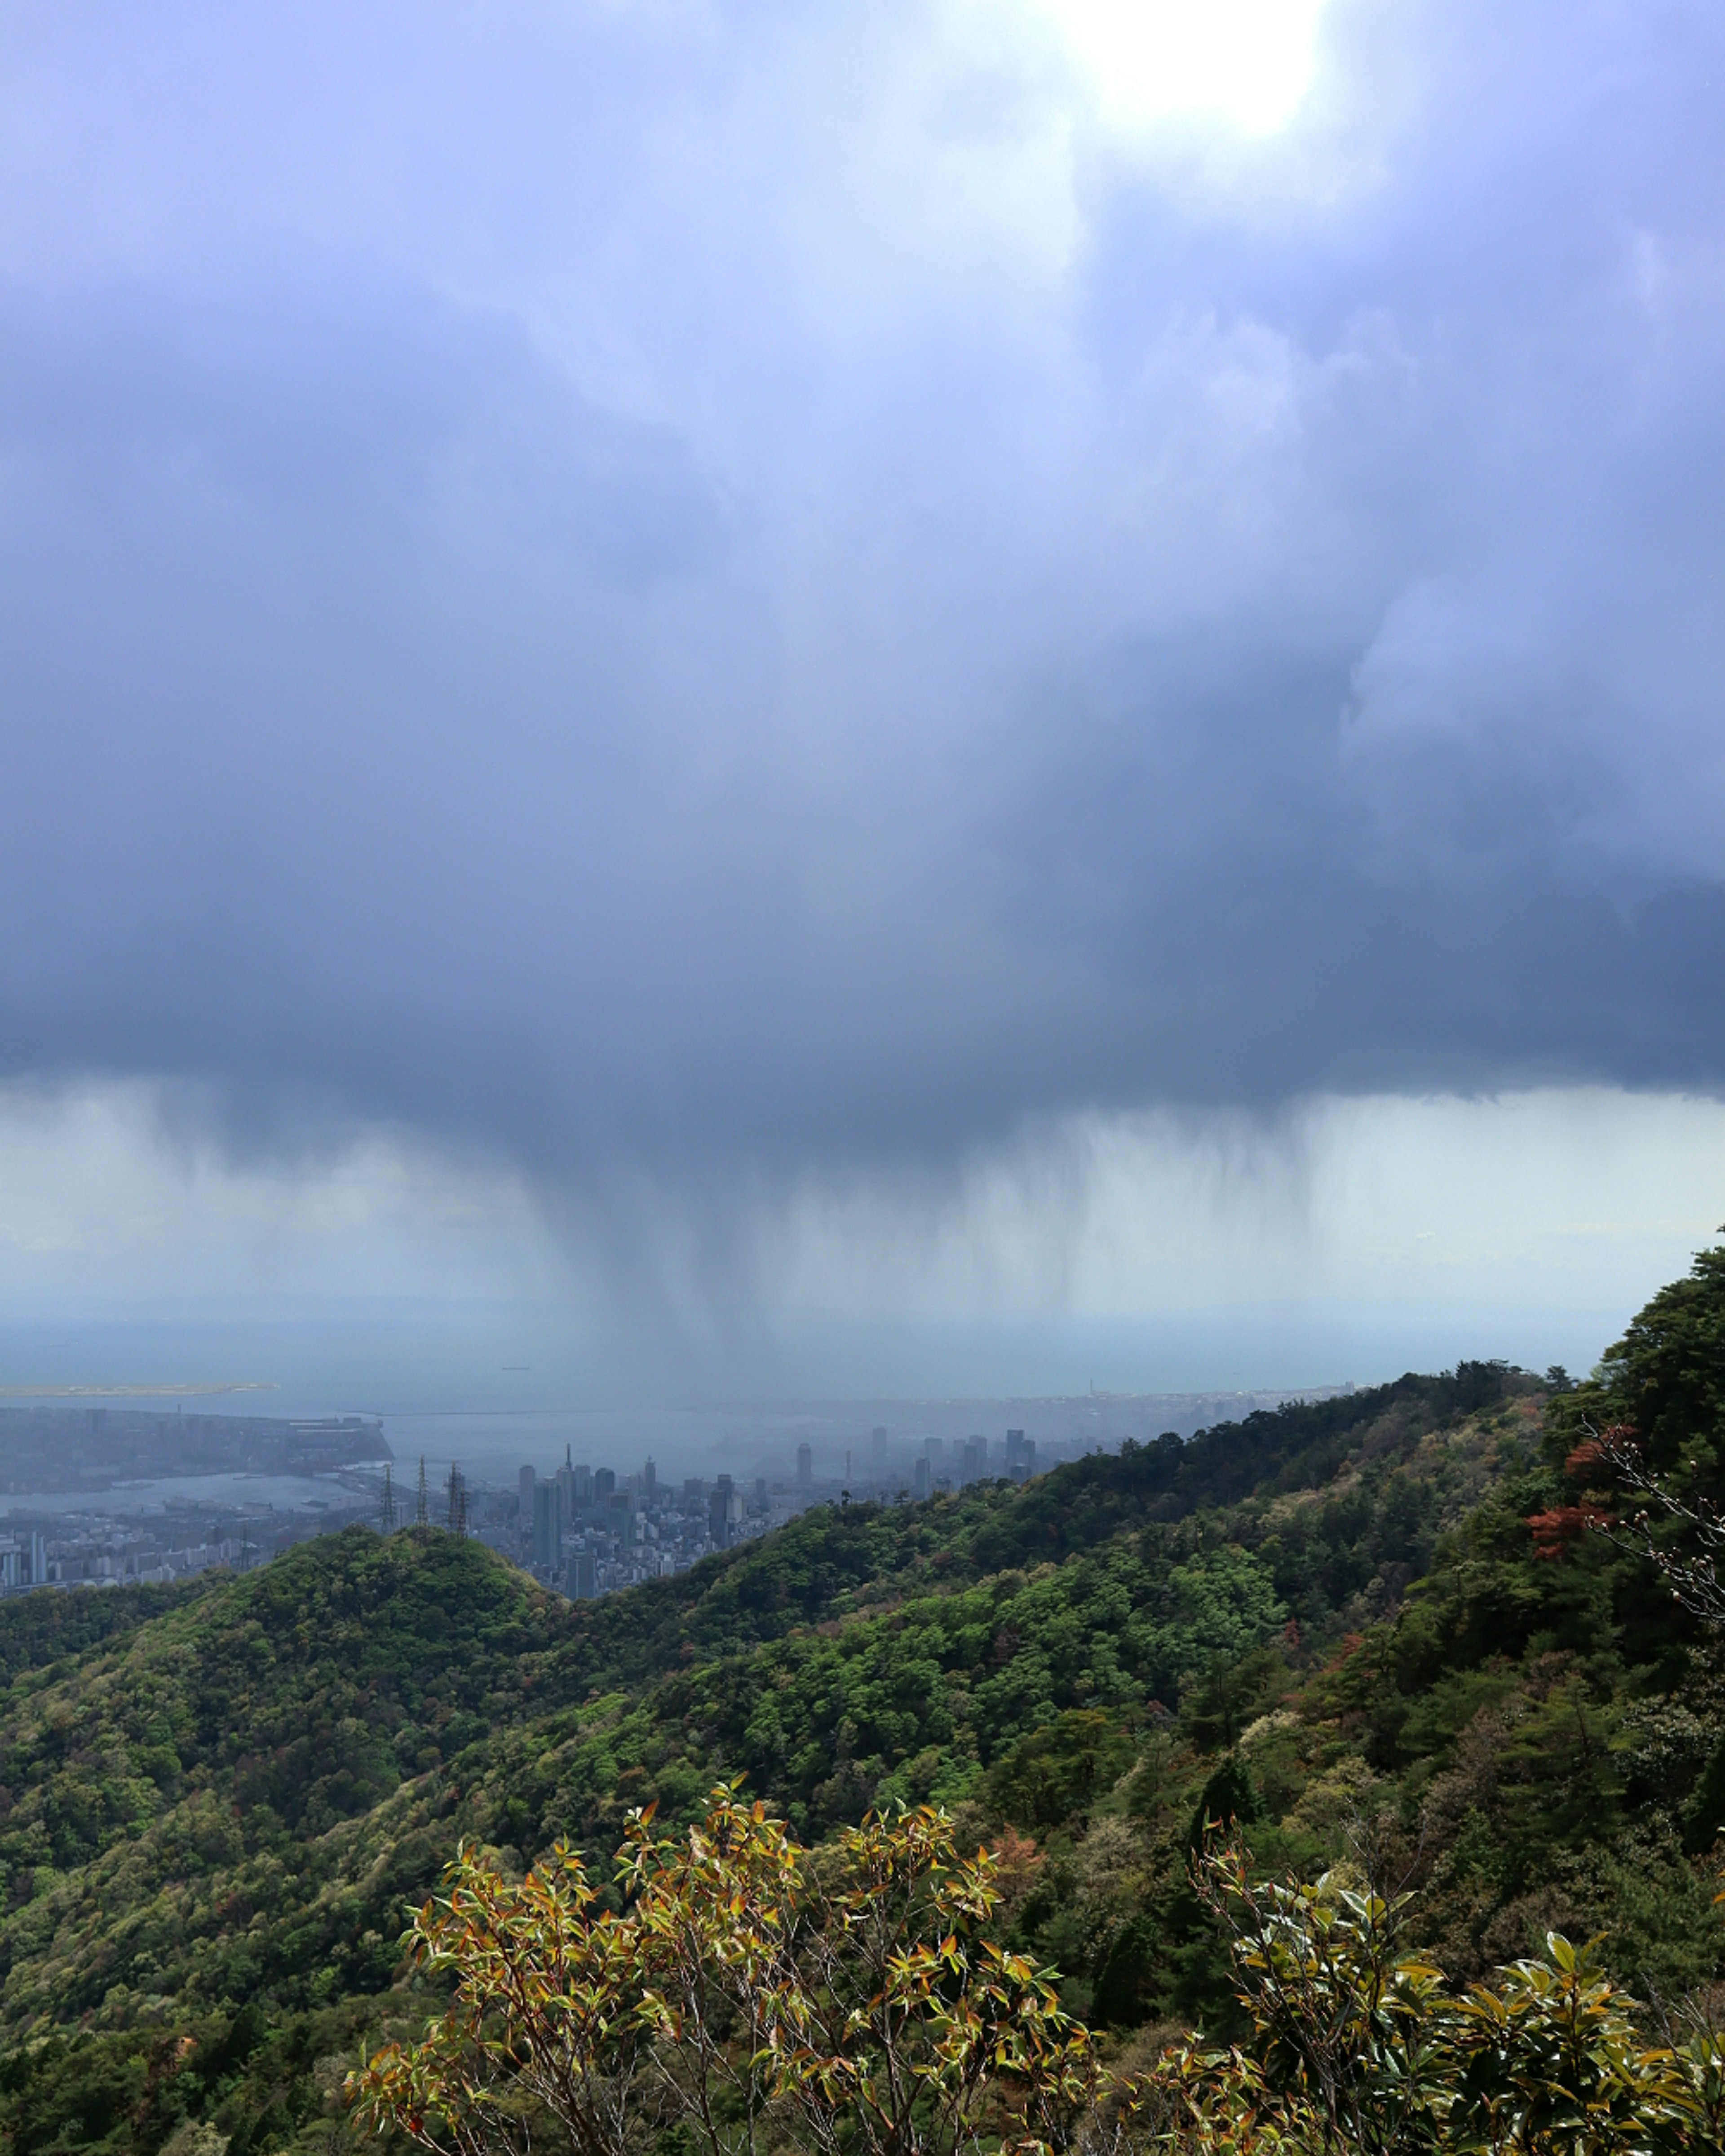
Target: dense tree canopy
[(1341, 1624), (1665, 1380)]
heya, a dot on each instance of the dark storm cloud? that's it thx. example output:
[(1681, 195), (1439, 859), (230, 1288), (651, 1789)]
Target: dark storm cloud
[(632, 589)]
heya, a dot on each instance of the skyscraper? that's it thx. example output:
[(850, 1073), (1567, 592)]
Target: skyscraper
[(567, 1496), (546, 1526), (805, 1467)]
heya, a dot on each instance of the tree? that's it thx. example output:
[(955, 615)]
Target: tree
[(1358, 2045), (1692, 1574), (1665, 1380), (843, 1998), (753, 1994)]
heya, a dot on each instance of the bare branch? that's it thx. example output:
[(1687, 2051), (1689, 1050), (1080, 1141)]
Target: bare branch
[(1694, 1579)]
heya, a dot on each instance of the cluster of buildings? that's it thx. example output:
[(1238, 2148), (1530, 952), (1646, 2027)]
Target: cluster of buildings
[(584, 1530), (100, 1496), (917, 1467), (100, 1551), (939, 1466), (587, 1531)]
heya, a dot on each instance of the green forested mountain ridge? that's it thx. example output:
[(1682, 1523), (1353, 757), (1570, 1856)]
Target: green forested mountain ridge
[(1332, 1621), (342, 1700), (1665, 1378)]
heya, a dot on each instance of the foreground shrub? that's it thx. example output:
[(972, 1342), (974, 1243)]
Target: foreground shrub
[(753, 1995)]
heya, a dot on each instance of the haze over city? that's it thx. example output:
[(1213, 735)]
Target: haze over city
[(767, 705)]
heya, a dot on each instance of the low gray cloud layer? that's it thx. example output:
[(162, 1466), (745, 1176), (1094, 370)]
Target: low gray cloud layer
[(743, 589)]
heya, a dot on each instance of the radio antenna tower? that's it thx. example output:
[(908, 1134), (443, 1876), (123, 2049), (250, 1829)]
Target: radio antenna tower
[(387, 1510), (422, 1516)]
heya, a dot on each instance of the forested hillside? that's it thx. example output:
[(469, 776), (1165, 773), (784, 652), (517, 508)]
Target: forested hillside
[(1335, 1623)]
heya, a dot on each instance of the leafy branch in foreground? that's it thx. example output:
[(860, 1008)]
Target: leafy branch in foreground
[(907, 2031), (754, 1995), (1358, 2045), (751, 1988)]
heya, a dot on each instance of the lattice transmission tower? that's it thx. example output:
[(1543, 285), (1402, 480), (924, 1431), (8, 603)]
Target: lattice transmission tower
[(457, 1502)]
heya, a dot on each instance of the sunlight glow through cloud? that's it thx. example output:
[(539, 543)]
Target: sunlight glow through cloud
[(1246, 63)]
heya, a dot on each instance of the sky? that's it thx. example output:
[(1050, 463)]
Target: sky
[(748, 698)]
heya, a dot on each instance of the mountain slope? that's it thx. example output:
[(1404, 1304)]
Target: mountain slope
[(1332, 1622)]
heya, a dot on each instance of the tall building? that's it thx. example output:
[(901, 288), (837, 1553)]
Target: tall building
[(693, 1493), (546, 1526), (583, 1485), (1020, 1454), (973, 1459), (605, 1482), (718, 1513), (649, 1480), (565, 1491), (761, 1494), (583, 1576), (805, 1467), (920, 1482), (878, 1470)]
